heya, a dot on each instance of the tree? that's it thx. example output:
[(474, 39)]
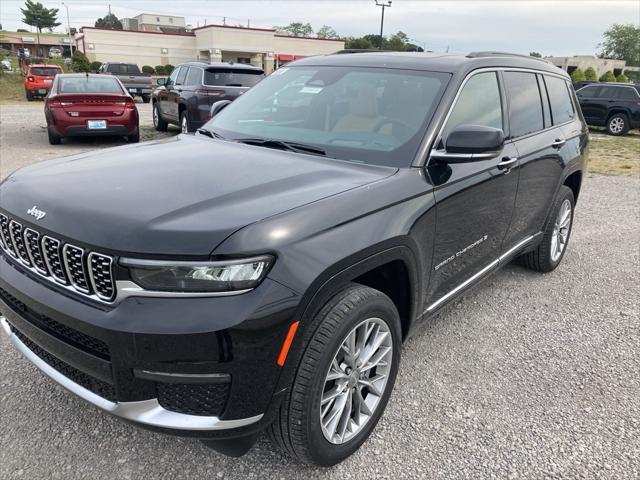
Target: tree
[(326, 32), (398, 42), (297, 29), (358, 43), (621, 42), (95, 66), (608, 77), (577, 76), (590, 74), (109, 21), (80, 62), (622, 78), (36, 15), (535, 54), (374, 39)]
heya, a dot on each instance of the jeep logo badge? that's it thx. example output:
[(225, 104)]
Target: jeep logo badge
[(39, 214)]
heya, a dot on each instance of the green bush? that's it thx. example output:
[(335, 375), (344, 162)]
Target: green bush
[(148, 69), (95, 66), (168, 68), (590, 74), (160, 70), (608, 77), (622, 78), (80, 62), (577, 76)]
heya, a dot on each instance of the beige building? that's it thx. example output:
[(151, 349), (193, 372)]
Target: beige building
[(600, 65), (259, 46), (148, 22)]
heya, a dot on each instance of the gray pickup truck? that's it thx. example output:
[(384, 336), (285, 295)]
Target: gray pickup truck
[(136, 82)]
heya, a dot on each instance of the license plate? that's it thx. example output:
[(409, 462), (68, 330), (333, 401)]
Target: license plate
[(47, 81), (96, 124), (42, 91), (133, 90)]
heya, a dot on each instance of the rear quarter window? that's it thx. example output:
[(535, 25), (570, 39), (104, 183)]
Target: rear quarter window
[(627, 93), (561, 106)]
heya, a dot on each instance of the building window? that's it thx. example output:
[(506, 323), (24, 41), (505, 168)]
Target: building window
[(170, 19), (157, 19)]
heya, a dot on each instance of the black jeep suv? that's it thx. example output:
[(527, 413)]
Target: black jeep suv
[(186, 97), (264, 273), (612, 105)]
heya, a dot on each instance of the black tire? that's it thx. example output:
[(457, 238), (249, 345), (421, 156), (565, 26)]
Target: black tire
[(134, 138), (297, 429), (29, 96), (618, 124), (541, 259), (184, 117), (146, 98), (53, 138), (158, 123)]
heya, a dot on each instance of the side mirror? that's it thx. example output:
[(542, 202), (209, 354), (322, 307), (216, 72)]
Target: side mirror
[(161, 81), (477, 139), (217, 107)]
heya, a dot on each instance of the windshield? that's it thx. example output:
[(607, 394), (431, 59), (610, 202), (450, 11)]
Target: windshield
[(232, 78), (45, 72), (89, 85), (370, 115)]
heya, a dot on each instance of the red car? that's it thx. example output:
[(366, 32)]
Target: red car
[(38, 80), (90, 105)]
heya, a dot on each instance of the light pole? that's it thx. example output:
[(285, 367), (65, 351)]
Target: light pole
[(383, 4), (69, 28)]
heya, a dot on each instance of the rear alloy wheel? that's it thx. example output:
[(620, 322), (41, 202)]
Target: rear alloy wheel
[(350, 358), (618, 124), (547, 256), (158, 123), (184, 122), (53, 138)]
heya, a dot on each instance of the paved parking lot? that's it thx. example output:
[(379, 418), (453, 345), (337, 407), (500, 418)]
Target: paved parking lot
[(526, 376)]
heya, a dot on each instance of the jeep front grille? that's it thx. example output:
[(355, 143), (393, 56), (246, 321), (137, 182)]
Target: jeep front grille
[(87, 273)]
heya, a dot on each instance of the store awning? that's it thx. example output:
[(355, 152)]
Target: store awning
[(288, 58)]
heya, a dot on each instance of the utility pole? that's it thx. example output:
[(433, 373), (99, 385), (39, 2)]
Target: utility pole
[(383, 4), (69, 28)]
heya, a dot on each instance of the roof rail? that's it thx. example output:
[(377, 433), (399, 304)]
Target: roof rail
[(504, 54), (358, 50)]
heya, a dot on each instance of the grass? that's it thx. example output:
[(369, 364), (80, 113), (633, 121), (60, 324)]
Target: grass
[(609, 155), (11, 87)]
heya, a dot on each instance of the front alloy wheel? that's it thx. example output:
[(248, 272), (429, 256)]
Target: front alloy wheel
[(356, 380), (343, 375)]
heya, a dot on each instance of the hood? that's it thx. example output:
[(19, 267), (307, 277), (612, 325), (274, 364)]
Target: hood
[(179, 196)]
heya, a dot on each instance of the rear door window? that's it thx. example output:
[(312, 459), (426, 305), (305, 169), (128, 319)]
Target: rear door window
[(607, 91), (229, 77), (561, 106), (478, 104), (525, 103), (193, 77)]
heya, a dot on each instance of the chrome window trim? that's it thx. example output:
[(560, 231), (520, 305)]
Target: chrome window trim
[(127, 288), (65, 260), (427, 146), (92, 280), (59, 281), (147, 412), (37, 241)]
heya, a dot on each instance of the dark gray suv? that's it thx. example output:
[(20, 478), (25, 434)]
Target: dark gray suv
[(185, 98)]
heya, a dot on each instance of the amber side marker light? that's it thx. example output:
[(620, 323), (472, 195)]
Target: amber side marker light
[(284, 351)]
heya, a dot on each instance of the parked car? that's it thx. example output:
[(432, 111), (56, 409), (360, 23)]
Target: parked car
[(136, 82), (83, 104), (55, 52), (264, 273), (186, 97), (38, 80), (612, 105), (6, 65)]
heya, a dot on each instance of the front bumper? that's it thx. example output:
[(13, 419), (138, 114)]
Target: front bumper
[(158, 362), (146, 412)]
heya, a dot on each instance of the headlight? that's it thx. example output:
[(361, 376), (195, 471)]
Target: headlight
[(199, 277)]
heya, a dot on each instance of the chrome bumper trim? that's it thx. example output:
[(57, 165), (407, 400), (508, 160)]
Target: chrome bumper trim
[(147, 412)]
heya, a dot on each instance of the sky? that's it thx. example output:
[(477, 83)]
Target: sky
[(551, 27)]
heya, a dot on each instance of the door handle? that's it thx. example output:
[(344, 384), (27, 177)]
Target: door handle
[(559, 142), (507, 162)]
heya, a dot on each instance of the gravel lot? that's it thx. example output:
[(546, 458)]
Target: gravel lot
[(526, 376)]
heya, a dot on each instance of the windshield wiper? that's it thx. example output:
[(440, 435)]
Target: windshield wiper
[(283, 145), (210, 133)]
